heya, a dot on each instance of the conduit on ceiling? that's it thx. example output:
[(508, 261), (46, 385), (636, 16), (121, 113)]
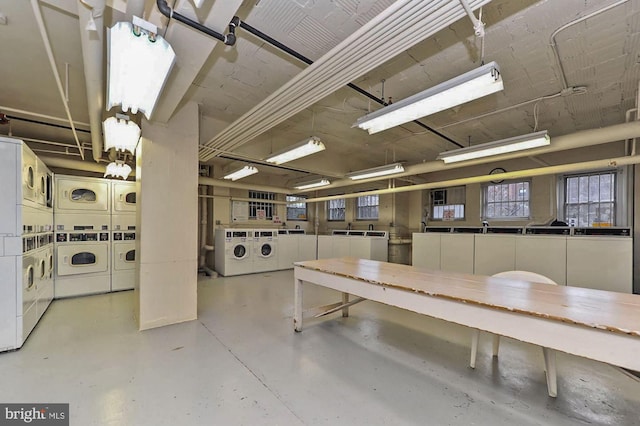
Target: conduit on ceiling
[(92, 51), (262, 36), (541, 171), (399, 27)]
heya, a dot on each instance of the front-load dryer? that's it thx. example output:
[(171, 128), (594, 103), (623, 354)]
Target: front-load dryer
[(234, 251), (82, 195), (82, 260), (123, 197), (123, 265), (265, 250)]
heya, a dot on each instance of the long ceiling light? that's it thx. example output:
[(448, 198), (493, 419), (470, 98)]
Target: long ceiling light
[(120, 133), (389, 169), (301, 149), (472, 85), (139, 61), (313, 184), (118, 169), (517, 143), (243, 172)]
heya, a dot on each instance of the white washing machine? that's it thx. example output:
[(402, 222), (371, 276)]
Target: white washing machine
[(265, 250), (123, 197), (29, 295), (82, 260), (234, 251), (123, 264), (82, 195)]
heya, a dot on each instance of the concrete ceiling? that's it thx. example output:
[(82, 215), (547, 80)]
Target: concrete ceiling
[(601, 54)]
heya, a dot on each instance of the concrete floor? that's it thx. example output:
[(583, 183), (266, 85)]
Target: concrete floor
[(241, 363)]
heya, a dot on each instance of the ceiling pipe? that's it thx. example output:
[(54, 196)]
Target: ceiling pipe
[(54, 68), (43, 116), (92, 51), (237, 185), (541, 171), (66, 163), (584, 138), (228, 39)]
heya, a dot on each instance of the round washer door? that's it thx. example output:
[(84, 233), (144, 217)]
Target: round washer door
[(239, 251), (266, 250)]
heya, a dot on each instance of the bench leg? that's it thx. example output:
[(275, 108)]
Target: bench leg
[(550, 367), (297, 305), (496, 344), (345, 300), (474, 348)]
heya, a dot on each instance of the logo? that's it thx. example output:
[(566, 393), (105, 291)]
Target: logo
[(34, 414)]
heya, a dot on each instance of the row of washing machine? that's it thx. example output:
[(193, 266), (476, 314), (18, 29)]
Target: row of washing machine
[(26, 242), (246, 251), (95, 235)]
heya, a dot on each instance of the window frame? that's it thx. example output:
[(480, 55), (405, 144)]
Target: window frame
[(297, 201), (257, 203), (343, 208), (435, 202), (485, 202), (368, 206), (620, 213)]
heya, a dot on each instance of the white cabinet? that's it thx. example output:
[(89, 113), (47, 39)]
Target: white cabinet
[(425, 251), (494, 253), (603, 263), (457, 252), (358, 244), (543, 254)]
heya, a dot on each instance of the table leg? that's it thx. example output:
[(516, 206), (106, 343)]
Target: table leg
[(345, 300), (297, 305)]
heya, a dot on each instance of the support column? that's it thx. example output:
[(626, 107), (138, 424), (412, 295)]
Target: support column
[(167, 209)]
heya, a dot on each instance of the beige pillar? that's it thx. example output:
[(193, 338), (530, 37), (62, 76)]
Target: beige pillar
[(167, 183)]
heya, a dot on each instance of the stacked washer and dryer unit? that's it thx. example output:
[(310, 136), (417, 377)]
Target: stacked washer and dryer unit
[(82, 220), (123, 235), (26, 242), (94, 243)]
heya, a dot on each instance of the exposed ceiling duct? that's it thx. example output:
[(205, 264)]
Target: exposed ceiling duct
[(399, 27), (541, 171), (585, 138), (91, 37)]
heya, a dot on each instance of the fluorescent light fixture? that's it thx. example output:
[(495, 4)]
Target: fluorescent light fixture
[(517, 143), (243, 172), (472, 85), (388, 169), (120, 133), (198, 3), (313, 184), (139, 61), (118, 169), (301, 149)]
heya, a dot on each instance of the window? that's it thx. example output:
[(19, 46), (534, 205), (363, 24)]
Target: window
[(261, 209), (336, 209), (367, 207), (447, 204), (296, 207), (507, 200), (590, 199)]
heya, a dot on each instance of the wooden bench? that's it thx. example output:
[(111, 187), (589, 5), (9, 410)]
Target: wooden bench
[(595, 324)]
